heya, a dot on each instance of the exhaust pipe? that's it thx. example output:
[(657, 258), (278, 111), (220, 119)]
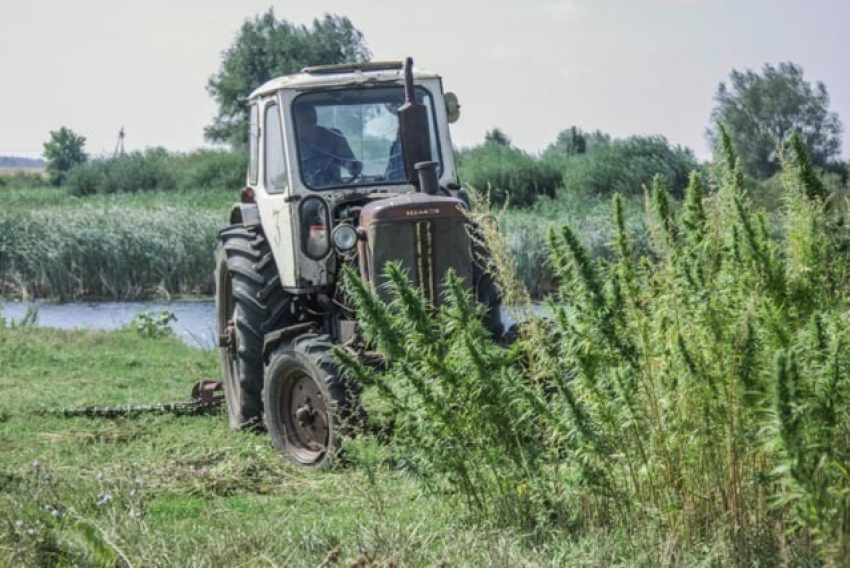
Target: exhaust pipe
[(416, 137), (428, 181)]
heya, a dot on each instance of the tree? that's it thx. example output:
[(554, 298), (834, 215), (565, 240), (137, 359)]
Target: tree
[(625, 166), (63, 151), (496, 136), (507, 172), (761, 111), (574, 141), (267, 47)]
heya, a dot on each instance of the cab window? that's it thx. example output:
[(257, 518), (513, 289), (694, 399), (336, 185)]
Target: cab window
[(275, 168), (253, 143), (351, 137)]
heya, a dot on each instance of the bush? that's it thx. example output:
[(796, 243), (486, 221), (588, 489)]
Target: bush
[(157, 170), (150, 170), (508, 173), (212, 169), (64, 151), (696, 400), (625, 166)]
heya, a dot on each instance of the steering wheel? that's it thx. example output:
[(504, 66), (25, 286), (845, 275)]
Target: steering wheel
[(354, 171), (322, 168)]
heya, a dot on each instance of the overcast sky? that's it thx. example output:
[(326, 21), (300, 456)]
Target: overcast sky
[(531, 67)]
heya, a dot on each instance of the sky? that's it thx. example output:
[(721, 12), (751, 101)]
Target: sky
[(530, 67)]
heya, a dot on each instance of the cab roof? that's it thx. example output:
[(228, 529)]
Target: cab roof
[(371, 72)]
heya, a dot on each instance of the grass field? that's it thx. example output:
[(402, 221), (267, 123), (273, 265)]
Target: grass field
[(187, 491)]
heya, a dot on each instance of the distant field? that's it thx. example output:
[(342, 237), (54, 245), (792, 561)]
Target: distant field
[(5, 170)]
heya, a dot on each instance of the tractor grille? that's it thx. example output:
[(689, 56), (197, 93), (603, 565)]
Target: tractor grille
[(424, 233)]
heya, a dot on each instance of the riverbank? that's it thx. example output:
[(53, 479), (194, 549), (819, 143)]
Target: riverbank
[(194, 319), (187, 491)]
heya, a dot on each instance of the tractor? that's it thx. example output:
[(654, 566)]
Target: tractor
[(348, 165)]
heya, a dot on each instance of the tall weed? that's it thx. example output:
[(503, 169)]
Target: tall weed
[(693, 399)]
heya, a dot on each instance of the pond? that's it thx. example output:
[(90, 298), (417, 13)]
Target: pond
[(195, 318)]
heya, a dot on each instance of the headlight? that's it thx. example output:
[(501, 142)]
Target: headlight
[(344, 237)]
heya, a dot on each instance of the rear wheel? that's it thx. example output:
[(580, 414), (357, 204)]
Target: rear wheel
[(249, 304), (308, 404)]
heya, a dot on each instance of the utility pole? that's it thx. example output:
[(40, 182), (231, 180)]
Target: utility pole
[(119, 145)]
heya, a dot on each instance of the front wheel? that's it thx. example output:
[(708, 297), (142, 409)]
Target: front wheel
[(308, 405)]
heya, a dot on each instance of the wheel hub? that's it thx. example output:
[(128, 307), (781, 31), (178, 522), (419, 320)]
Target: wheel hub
[(305, 415), (308, 421), (228, 338)]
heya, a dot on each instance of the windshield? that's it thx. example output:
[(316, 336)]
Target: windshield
[(350, 137)]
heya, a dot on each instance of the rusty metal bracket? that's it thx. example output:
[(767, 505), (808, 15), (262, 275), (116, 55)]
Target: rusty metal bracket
[(209, 394)]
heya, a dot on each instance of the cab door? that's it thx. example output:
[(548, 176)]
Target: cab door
[(274, 189)]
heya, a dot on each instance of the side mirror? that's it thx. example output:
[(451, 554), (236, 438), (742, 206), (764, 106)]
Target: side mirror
[(452, 107)]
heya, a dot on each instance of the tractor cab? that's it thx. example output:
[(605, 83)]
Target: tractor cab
[(326, 141)]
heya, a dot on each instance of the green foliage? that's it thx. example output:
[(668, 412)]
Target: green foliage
[(157, 170), (574, 141), (267, 47), (149, 170), (696, 396), (21, 180), (57, 197), (212, 169), (63, 152), (153, 324), (762, 111), (453, 420), (508, 173), (497, 136), (626, 166), (107, 252)]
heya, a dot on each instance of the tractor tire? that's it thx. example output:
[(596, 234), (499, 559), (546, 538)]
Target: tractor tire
[(249, 303), (309, 405)]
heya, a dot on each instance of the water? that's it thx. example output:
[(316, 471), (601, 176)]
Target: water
[(195, 318)]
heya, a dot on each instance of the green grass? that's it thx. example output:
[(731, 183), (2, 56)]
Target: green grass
[(42, 197), (187, 491)]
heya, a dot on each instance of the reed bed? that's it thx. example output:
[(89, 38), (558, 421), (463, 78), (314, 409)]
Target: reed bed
[(525, 231), (103, 252)]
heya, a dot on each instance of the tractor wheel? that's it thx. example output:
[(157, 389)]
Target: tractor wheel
[(249, 303), (309, 406)]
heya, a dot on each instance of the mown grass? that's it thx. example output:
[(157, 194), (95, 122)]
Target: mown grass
[(162, 490)]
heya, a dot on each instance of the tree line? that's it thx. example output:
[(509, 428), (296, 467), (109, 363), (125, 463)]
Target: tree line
[(759, 110)]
